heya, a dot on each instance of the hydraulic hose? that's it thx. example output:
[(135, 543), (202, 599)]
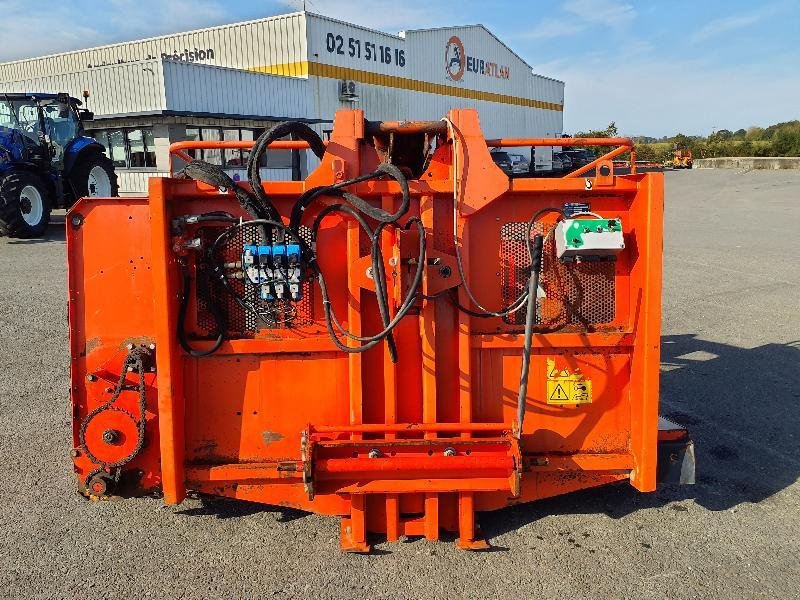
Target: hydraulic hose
[(213, 308), (402, 311), (530, 317), (379, 273), (214, 175), (278, 131), (378, 214)]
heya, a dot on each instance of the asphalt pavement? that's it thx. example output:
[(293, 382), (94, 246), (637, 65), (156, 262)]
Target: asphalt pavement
[(730, 372)]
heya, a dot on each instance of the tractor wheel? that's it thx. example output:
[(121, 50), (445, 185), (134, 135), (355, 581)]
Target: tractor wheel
[(25, 204), (94, 175)]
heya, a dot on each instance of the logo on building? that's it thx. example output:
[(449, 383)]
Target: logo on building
[(457, 63), (190, 56), (454, 58)]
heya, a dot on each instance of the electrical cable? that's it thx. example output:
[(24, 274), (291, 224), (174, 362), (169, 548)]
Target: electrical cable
[(521, 300)]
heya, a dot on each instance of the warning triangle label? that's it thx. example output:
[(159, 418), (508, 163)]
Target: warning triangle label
[(559, 394)]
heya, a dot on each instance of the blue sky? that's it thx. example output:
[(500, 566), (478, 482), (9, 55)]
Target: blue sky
[(655, 68)]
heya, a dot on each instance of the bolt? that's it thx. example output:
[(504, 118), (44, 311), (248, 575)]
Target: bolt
[(109, 390), (129, 346), (91, 377), (152, 346), (445, 272), (76, 221), (374, 453), (369, 272), (450, 451), (111, 436), (393, 261), (74, 453)]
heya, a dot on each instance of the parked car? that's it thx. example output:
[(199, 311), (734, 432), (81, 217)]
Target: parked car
[(565, 161), (579, 156), (503, 160), (558, 165), (519, 164)]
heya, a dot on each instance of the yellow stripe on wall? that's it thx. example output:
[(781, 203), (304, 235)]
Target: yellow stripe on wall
[(293, 69), (304, 68)]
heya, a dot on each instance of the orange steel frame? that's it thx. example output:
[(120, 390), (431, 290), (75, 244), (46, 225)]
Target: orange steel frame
[(412, 448)]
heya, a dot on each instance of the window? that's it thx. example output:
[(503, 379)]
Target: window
[(230, 157), (61, 122), (213, 155), (233, 156), (116, 147), (140, 148), (7, 118), (128, 148), (247, 136)]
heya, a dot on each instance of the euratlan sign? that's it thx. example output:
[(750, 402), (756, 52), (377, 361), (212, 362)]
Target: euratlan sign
[(457, 63)]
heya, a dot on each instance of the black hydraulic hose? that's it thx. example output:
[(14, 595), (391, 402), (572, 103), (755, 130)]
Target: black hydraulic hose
[(379, 273), (214, 175), (378, 214), (381, 292), (216, 313), (405, 307), (278, 131), (530, 317)]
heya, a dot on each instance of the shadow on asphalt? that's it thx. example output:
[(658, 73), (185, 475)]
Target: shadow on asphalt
[(229, 508), (56, 233), (741, 408)]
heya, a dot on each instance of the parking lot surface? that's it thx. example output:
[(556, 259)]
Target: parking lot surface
[(730, 372)]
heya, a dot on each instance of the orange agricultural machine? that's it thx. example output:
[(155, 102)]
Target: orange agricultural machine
[(682, 159), (402, 339)]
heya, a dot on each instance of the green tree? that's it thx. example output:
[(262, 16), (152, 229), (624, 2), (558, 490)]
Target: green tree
[(721, 135), (754, 134), (786, 141), (683, 142)]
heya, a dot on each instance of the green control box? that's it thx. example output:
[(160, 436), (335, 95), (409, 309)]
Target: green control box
[(576, 238)]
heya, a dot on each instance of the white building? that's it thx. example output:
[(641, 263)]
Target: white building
[(233, 81)]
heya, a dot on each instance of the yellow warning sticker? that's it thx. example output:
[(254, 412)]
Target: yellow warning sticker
[(564, 387)]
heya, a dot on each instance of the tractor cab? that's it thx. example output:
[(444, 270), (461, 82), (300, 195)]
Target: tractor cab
[(46, 160)]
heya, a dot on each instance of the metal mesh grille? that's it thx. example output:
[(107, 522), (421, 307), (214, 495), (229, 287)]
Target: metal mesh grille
[(575, 293), (276, 314)]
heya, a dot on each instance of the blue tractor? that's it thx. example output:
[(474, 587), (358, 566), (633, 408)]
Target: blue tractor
[(46, 161)]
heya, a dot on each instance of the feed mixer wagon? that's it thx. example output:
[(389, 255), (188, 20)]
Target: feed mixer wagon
[(403, 339)]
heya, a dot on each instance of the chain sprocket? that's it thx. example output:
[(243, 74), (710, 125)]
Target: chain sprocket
[(116, 436)]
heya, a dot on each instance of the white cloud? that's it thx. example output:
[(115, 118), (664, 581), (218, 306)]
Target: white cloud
[(549, 28), (734, 22), (581, 16), (391, 16), (603, 12), (23, 28), (134, 18), (27, 32)]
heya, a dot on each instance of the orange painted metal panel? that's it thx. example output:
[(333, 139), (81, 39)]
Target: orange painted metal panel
[(281, 415)]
